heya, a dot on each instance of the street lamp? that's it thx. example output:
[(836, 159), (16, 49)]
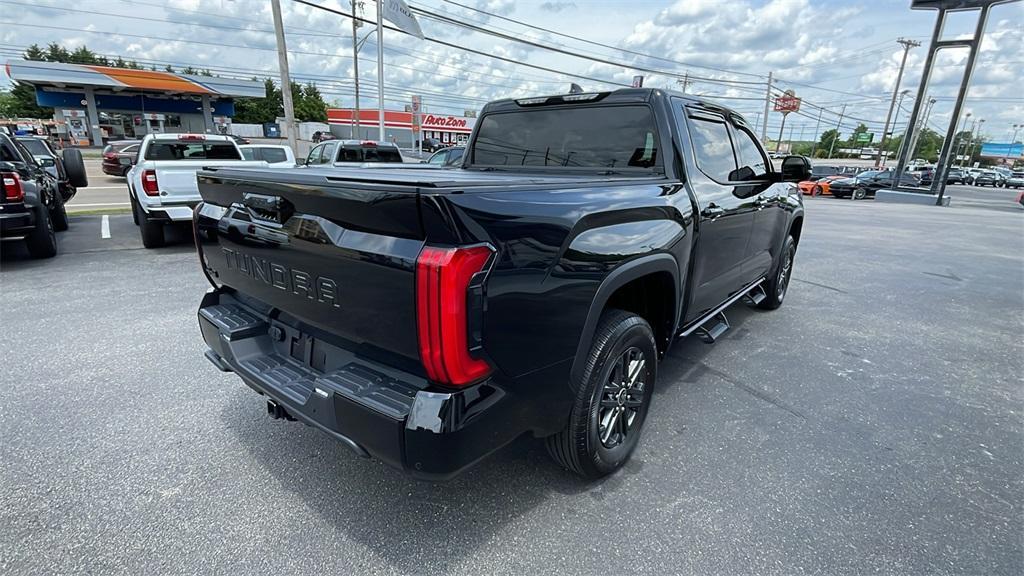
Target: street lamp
[(1016, 128), (961, 143), (895, 120)]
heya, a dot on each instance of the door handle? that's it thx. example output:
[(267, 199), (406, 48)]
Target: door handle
[(712, 211), (762, 202)]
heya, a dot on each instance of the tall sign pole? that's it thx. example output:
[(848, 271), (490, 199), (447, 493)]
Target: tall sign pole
[(380, 69), (767, 103), (355, 66), (286, 81)]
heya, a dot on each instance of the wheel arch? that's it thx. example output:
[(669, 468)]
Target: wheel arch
[(621, 288)]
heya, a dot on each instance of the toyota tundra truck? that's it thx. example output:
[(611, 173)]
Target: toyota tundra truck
[(429, 317), (162, 183)]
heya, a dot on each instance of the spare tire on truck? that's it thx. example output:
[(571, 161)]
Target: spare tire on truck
[(74, 167)]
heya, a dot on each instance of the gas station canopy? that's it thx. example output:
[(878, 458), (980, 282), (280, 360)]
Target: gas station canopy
[(81, 90)]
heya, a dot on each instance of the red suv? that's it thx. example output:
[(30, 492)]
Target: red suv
[(119, 156)]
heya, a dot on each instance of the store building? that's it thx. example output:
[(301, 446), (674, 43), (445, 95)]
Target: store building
[(93, 104), (398, 126)]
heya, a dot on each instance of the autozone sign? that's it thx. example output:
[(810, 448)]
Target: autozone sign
[(788, 102), (431, 121)]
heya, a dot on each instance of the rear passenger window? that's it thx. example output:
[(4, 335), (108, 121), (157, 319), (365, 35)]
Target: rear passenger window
[(713, 148), (274, 155), (750, 156), (328, 156)]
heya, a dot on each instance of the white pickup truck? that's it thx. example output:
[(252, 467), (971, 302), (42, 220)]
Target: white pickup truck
[(162, 184)]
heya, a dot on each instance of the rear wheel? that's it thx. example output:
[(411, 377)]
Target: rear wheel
[(860, 194), (42, 241), (612, 398), (816, 191), (152, 231)]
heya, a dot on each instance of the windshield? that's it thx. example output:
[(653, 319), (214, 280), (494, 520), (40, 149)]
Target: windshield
[(172, 150), (36, 147), (618, 137), (824, 170)]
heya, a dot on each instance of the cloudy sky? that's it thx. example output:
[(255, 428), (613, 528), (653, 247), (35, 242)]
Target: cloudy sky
[(829, 52)]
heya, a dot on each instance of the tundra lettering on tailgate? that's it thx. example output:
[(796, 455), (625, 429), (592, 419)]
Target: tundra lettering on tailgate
[(319, 288)]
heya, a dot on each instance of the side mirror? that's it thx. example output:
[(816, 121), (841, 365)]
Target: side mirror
[(47, 162), (795, 169), (300, 161)]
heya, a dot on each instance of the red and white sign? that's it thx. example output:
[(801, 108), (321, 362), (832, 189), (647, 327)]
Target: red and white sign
[(404, 120), (787, 103)]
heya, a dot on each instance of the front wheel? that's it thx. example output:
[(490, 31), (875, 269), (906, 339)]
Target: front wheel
[(777, 284), (59, 214), (860, 194), (612, 398), (816, 191)]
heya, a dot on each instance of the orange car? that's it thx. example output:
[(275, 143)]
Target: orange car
[(819, 186)]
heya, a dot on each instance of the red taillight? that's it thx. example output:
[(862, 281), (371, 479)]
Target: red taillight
[(110, 155), (443, 277), (13, 191), (149, 183), (191, 137)]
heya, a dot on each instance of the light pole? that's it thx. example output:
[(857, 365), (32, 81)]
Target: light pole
[(975, 134), (961, 143), (1016, 128), (895, 120)]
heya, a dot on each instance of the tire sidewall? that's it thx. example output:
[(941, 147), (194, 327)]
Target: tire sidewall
[(633, 333)]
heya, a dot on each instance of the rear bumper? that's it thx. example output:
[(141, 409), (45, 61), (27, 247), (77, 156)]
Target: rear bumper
[(16, 224), (376, 410), (171, 213)]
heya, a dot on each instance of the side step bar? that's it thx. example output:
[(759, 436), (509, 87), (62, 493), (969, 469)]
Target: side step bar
[(714, 324)]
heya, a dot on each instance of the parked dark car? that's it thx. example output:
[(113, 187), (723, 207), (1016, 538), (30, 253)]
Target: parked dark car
[(429, 317), (119, 156), (31, 205), (819, 171), (867, 183), (433, 145), (448, 157), (987, 178)]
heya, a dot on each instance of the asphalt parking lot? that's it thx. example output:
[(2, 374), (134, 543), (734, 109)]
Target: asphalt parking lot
[(873, 424)]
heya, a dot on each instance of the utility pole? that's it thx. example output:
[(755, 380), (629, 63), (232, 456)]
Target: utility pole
[(817, 126), (355, 66), (685, 81), (832, 145), (286, 81), (778, 143), (767, 103), (907, 45)]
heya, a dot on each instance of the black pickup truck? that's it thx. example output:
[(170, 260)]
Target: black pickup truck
[(429, 317), (32, 194)]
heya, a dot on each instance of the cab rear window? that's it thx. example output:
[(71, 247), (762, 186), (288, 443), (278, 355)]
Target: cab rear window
[(369, 154), (620, 137), (192, 151)]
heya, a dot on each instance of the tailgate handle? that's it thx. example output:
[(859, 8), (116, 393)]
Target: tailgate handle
[(268, 208)]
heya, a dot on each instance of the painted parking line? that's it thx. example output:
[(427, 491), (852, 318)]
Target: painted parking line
[(105, 227), (77, 205), (103, 188)]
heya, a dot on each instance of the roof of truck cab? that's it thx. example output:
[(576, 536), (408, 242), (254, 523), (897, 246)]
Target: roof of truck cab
[(620, 96)]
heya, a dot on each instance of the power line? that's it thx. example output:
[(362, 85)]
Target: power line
[(591, 42)]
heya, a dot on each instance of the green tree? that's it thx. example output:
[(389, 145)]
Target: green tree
[(189, 71), (309, 105), (852, 140), (826, 143), (56, 53), (169, 68), (259, 110), (34, 52), (21, 103)]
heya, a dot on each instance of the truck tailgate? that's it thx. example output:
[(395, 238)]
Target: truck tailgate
[(338, 256), (178, 177)]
